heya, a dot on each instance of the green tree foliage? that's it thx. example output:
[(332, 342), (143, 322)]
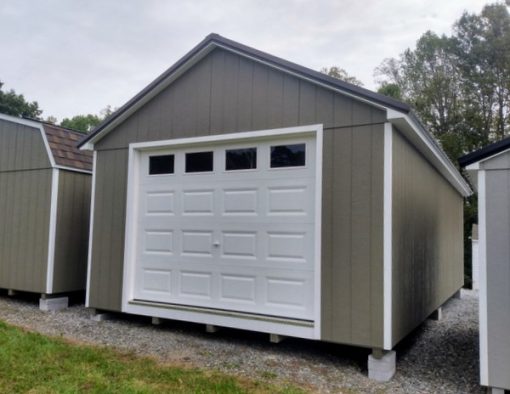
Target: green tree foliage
[(340, 73), (15, 104), (87, 122), (458, 84), (460, 87), (83, 123)]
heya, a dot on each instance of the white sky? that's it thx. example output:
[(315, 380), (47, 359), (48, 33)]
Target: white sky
[(76, 57)]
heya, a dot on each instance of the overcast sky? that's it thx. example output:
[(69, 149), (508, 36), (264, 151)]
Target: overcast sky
[(76, 57)]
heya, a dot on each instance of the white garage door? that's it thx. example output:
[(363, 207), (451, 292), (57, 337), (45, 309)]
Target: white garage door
[(228, 227)]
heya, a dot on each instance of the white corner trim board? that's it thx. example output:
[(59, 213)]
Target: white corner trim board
[(52, 230), (482, 253), (387, 235), (91, 228), (282, 326)]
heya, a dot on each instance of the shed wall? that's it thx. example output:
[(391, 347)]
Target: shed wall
[(21, 148), (71, 241), (428, 257), (25, 194), (225, 93), (497, 198), (25, 198)]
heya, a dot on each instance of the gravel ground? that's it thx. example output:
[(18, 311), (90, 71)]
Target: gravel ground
[(439, 357)]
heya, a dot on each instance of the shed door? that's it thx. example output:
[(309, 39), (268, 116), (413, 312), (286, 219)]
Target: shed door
[(228, 227)]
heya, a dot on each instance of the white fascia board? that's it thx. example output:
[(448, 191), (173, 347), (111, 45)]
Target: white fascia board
[(74, 169), (91, 230), (423, 142), (52, 231), (482, 256), (388, 237)]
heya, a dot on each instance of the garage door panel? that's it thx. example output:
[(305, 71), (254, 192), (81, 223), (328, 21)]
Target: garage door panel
[(233, 240)]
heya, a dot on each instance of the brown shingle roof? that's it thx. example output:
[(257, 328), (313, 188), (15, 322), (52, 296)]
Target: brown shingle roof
[(63, 144)]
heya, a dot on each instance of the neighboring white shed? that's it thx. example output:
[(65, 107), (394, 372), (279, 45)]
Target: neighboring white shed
[(475, 260), (489, 169)]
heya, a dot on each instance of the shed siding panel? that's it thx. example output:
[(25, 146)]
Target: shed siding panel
[(73, 213), (24, 208), (21, 148), (427, 238), (224, 93), (352, 236), (266, 99), (498, 273)]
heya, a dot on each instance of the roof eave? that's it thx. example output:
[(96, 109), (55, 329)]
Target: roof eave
[(412, 128)]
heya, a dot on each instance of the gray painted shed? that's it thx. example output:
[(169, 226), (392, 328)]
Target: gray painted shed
[(357, 243), (45, 184), (489, 168)]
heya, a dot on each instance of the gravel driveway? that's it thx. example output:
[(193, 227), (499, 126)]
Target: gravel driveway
[(439, 357)]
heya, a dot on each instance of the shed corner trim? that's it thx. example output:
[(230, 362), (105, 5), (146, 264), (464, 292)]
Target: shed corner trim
[(52, 230), (388, 237)]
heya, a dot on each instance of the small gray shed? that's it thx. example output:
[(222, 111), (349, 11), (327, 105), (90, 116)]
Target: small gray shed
[(489, 169), (45, 186), (239, 189)]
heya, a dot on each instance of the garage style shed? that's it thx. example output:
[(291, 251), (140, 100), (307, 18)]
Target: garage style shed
[(490, 170), (45, 184), (239, 189)]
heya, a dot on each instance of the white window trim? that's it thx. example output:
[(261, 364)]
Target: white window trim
[(388, 237), (52, 231), (91, 230), (135, 150), (482, 256)]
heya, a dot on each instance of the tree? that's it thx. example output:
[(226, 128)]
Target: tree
[(83, 123), (15, 104), (87, 122), (340, 73), (391, 90)]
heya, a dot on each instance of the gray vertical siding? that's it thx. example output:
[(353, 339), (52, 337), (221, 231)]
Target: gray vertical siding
[(427, 238), (225, 93), (21, 148), (497, 186), (71, 241), (352, 236), (25, 198), (25, 194)]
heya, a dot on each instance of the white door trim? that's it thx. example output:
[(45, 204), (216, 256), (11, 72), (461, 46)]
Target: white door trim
[(131, 227)]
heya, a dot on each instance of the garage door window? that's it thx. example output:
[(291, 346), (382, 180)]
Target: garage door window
[(288, 155), (159, 165), (241, 159), (199, 162)]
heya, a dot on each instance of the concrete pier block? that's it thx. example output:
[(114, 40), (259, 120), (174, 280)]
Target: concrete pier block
[(53, 304), (437, 314), (211, 329), (11, 292), (100, 315), (458, 295), (275, 338), (382, 367), (495, 390), (156, 321)]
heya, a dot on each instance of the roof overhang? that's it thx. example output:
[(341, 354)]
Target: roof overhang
[(415, 132), (398, 113)]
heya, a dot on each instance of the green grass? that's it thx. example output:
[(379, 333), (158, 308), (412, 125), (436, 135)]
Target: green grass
[(33, 363)]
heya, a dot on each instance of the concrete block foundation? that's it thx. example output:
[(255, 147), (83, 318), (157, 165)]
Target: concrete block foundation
[(382, 367), (53, 304)]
